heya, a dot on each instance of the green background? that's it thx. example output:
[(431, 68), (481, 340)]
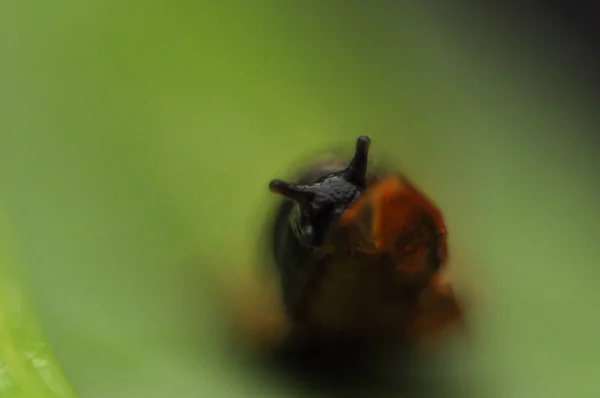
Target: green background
[(138, 139)]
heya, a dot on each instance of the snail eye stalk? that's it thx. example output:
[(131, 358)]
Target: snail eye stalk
[(293, 192), (357, 169)]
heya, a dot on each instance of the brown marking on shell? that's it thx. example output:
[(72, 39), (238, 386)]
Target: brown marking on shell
[(383, 214)]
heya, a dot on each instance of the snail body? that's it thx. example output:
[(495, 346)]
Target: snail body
[(359, 256)]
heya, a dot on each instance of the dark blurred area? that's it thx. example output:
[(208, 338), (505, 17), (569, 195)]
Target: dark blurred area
[(569, 26), (579, 18)]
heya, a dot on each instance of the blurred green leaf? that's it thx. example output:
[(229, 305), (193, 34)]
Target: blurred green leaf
[(28, 367)]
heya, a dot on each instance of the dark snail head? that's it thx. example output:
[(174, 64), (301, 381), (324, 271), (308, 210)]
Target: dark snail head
[(322, 202)]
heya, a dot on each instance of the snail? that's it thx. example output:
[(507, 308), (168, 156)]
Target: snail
[(359, 256)]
